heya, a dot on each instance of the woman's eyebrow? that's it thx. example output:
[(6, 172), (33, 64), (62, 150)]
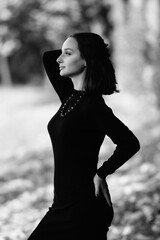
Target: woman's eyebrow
[(68, 49)]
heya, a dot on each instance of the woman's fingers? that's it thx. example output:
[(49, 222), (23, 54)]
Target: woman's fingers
[(101, 186), (97, 181), (105, 191)]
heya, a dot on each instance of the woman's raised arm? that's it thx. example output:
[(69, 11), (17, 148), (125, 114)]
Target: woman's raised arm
[(62, 85)]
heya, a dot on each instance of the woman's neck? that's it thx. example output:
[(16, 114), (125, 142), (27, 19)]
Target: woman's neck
[(78, 81)]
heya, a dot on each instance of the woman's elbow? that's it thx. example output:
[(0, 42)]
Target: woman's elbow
[(135, 144), (138, 146)]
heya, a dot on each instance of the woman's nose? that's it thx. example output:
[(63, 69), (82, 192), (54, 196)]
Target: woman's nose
[(59, 59)]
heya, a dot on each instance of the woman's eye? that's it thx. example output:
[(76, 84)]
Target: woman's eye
[(67, 53)]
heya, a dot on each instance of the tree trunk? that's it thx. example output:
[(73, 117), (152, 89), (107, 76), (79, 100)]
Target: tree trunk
[(5, 75)]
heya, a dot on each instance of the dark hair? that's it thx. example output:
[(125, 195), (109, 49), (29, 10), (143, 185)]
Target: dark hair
[(100, 73)]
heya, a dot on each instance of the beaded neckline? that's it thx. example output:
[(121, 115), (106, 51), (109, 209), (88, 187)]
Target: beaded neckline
[(63, 113)]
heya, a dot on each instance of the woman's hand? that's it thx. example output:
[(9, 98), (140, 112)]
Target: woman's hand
[(101, 186), (99, 183)]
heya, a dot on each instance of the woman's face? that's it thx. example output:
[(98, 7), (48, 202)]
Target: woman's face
[(70, 61)]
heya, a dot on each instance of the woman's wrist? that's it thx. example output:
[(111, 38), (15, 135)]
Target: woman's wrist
[(101, 173)]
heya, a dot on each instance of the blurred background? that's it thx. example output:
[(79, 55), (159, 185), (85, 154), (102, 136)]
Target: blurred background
[(27, 102)]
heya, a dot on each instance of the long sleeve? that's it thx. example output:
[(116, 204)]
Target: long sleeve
[(126, 142), (62, 85)]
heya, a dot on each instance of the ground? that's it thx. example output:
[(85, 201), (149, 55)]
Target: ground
[(26, 163)]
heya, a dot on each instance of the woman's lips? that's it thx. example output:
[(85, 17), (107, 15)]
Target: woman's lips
[(61, 67)]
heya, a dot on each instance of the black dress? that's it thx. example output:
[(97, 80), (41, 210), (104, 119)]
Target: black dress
[(76, 212)]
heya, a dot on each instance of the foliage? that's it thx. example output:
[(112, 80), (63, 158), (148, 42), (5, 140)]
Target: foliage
[(26, 163), (137, 213), (31, 27), (28, 28)]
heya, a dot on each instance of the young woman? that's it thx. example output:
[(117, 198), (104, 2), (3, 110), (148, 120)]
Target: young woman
[(81, 72)]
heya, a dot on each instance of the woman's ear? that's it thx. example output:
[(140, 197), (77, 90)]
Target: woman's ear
[(85, 64)]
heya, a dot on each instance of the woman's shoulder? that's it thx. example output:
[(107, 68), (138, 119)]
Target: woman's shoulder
[(99, 102), (96, 105)]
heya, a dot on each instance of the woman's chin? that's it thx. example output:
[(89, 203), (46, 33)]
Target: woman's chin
[(62, 74)]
